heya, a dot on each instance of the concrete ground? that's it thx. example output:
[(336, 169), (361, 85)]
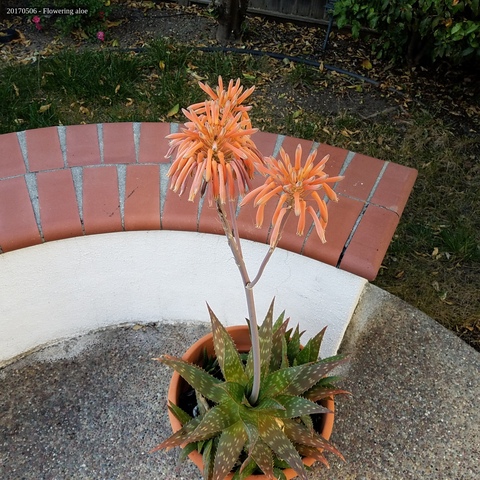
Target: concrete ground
[(93, 407)]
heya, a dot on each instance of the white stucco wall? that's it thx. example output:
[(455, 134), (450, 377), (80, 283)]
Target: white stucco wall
[(66, 288)]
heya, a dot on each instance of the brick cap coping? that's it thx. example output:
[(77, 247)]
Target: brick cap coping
[(63, 182), (134, 277)]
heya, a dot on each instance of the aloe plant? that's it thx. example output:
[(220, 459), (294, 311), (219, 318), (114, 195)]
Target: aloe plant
[(234, 435), (258, 415)]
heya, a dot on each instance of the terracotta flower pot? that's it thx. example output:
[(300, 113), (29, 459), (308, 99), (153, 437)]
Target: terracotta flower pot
[(194, 355)]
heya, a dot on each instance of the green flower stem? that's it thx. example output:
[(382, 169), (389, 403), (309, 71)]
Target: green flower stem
[(233, 216), (229, 228), (229, 224)]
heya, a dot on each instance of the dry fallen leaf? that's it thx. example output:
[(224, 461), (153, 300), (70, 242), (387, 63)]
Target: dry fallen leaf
[(367, 64), (173, 111), (117, 88), (44, 108)]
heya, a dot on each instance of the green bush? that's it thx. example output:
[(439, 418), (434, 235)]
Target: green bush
[(416, 30), (88, 17)]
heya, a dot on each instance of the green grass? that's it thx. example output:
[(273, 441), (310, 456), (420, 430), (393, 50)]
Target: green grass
[(434, 259)]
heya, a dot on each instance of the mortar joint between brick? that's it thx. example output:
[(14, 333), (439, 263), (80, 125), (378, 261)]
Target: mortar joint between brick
[(137, 128), (31, 181), (77, 176), (22, 141), (122, 180), (278, 145), (346, 162), (163, 188), (62, 138), (100, 141)]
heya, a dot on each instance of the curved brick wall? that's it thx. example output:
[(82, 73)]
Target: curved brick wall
[(62, 182)]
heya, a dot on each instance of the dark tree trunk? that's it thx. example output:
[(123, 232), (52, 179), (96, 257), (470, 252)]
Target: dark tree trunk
[(231, 15)]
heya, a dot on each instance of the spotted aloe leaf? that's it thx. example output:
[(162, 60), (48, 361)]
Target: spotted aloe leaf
[(319, 392), (301, 435), (311, 373), (308, 422), (247, 468), (269, 405), (277, 382), (181, 415), (279, 345), (215, 420), (230, 445), (294, 406), (179, 437), (261, 454), (200, 380), (311, 350), (187, 450), (226, 352), (294, 345), (312, 452), (271, 432), (208, 457)]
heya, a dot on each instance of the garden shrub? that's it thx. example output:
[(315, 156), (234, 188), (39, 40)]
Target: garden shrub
[(415, 30), (87, 17)]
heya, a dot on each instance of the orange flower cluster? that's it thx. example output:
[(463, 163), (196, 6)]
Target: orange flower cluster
[(214, 147), (294, 185)]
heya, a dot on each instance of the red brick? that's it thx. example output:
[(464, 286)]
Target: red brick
[(395, 187), (142, 198), (18, 227), (360, 177), (290, 146), (43, 148), (209, 221), (118, 143), (82, 145), (342, 216), (58, 205), (265, 142), (370, 242), (179, 213), (247, 217), (101, 205), (11, 156), (336, 160), (153, 144), (290, 240)]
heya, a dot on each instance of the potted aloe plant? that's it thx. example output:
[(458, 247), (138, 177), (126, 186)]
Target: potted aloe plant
[(257, 401)]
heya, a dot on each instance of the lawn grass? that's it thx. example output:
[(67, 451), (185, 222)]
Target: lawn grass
[(434, 260)]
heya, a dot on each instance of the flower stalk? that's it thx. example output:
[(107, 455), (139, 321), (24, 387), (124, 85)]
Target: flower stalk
[(216, 151), (257, 416)]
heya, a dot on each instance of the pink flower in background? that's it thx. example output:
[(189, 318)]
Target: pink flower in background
[(101, 36), (36, 20)]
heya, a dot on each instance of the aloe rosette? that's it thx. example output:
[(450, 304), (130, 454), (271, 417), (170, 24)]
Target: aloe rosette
[(235, 436)]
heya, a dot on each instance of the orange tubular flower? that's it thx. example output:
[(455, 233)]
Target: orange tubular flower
[(295, 185), (214, 147)]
